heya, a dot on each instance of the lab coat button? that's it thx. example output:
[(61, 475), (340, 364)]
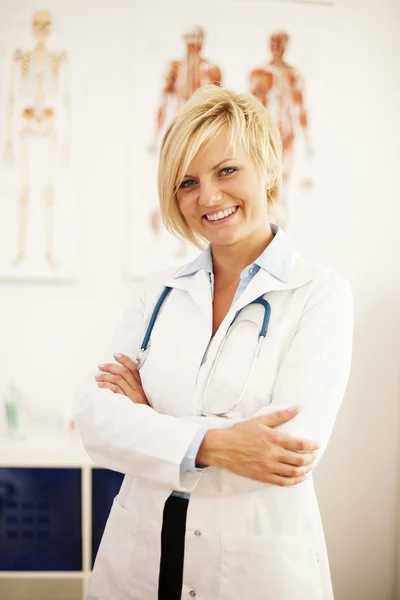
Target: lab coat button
[(197, 532), (251, 271), (192, 594)]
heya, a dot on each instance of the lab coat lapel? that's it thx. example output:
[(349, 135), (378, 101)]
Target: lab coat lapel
[(198, 287), (263, 282)]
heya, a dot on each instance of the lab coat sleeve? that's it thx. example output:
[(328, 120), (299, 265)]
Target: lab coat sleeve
[(315, 371), (133, 438), (312, 375)]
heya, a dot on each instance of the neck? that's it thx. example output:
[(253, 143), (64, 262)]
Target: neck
[(193, 51), (229, 261), (277, 61)]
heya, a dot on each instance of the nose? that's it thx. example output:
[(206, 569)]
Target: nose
[(210, 195)]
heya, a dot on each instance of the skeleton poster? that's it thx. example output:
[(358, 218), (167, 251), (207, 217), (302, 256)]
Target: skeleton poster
[(278, 51), (36, 225)]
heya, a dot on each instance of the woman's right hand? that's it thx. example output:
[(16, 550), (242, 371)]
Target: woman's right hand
[(254, 449)]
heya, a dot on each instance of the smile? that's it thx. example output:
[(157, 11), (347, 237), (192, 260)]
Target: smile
[(221, 215)]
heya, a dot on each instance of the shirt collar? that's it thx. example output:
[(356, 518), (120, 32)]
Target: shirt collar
[(276, 258), (201, 262)]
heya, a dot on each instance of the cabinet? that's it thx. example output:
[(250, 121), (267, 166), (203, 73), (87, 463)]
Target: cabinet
[(53, 509)]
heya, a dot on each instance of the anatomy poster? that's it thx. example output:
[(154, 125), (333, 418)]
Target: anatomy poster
[(279, 51), (280, 87), (37, 202)]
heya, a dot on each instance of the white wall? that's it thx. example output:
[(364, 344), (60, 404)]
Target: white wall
[(50, 334), (397, 555)]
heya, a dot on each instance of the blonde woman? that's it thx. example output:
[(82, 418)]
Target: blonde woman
[(244, 357)]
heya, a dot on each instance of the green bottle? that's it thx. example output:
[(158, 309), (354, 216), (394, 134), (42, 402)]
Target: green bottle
[(13, 406)]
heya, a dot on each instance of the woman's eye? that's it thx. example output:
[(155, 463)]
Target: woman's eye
[(187, 183), (228, 170)]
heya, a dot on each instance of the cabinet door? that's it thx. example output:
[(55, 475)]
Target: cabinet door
[(105, 486), (40, 519)]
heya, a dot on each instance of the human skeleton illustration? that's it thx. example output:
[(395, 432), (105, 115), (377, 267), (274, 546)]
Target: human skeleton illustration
[(38, 109)]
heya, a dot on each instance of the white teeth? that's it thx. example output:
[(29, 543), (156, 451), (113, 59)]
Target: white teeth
[(221, 214)]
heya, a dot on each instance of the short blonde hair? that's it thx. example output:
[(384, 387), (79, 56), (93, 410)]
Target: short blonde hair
[(209, 111)]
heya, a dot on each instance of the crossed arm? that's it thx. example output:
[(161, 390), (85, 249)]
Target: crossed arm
[(251, 448), (123, 433)]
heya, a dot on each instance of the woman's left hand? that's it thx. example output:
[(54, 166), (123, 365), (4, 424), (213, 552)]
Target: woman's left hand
[(123, 379)]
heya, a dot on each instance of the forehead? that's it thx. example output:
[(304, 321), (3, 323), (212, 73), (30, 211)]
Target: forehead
[(279, 38), (216, 150)]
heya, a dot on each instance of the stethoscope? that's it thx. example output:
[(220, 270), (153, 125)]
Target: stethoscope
[(205, 409)]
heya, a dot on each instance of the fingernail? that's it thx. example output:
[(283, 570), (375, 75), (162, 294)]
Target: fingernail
[(101, 366), (292, 408), (97, 377), (117, 355)]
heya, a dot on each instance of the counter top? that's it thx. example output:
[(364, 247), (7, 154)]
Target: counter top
[(44, 448)]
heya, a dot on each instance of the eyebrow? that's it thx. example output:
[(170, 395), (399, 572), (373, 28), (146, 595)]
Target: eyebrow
[(216, 166)]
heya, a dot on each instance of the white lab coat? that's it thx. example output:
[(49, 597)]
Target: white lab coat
[(257, 540)]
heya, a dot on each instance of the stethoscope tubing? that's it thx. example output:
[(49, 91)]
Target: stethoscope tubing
[(145, 347)]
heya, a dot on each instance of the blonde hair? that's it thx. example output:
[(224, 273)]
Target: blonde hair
[(209, 111)]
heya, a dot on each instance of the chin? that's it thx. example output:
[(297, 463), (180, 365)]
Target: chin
[(224, 240)]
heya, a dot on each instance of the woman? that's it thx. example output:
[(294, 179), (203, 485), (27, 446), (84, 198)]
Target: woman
[(218, 499)]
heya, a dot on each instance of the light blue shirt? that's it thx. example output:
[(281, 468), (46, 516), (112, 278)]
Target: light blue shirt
[(276, 259)]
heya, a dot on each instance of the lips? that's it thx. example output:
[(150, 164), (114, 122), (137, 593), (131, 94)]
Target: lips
[(220, 215)]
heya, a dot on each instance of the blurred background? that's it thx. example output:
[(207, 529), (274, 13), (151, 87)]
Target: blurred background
[(86, 90)]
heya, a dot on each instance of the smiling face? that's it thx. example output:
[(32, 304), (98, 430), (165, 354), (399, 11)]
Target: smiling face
[(223, 196)]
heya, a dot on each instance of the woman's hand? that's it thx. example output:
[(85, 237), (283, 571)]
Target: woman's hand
[(122, 379), (254, 449)]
